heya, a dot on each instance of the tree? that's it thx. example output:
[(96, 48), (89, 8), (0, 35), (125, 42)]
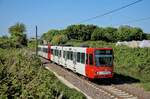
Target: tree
[(99, 34), (5, 42), (111, 34), (86, 32), (147, 36), (124, 33), (48, 36), (18, 36), (128, 33), (59, 39), (137, 34), (80, 32), (72, 32), (17, 28)]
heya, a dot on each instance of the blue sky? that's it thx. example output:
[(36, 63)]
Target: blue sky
[(58, 14)]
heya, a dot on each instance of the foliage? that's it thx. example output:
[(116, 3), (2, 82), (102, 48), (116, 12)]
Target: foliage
[(95, 33), (22, 76), (146, 86), (17, 28), (108, 34), (90, 43), (72, 32), (127, 33), (59, 39), (80, 32), (32, 44), (134, 62), (18, 38), (5, 42), (49, 35), (99, 34), (147, 36), (112, 34)]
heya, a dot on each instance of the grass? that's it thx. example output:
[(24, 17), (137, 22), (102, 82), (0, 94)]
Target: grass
[(146, 86)]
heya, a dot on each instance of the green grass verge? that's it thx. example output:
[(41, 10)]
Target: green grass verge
[(146, 86)]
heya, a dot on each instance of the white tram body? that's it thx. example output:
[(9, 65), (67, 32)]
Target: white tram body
[(73, 58)]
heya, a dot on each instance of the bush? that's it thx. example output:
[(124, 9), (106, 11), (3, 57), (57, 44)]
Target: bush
[(23, 76), (134, 62)]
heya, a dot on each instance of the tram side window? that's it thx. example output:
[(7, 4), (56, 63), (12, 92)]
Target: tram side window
[(55, 52), (67, 53), (86, 58), (60, 53), (78, 57), (39, 48), (52, 51), (83, 58), (45, 50), (64, 54), (68, 57), (91, 59), (71, 55)]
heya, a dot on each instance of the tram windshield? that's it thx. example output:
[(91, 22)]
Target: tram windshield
[(103, 58)]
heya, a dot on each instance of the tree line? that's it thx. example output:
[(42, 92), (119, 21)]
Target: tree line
[(17, 37), (92, 32), (80, 32)]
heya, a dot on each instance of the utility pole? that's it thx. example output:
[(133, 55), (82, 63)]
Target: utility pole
[(36, 40)]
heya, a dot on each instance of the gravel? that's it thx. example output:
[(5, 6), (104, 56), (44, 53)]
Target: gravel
[(136, 90)]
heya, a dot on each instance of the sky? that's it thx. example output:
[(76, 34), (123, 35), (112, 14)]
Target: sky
[(58, 14)]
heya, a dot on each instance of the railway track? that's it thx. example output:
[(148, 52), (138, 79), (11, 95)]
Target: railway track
[(96, 91), (111, 91), (114, 92)]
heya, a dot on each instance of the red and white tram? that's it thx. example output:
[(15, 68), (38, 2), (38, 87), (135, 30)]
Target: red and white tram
[(90, 62)]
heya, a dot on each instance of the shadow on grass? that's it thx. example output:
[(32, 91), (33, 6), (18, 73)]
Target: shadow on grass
[(117, 79)]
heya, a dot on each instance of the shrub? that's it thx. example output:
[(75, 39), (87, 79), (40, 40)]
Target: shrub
[(22, 76)]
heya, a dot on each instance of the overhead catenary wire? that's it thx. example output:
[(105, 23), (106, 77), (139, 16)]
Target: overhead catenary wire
[(133, 21), (109, 12), (137, 20)]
